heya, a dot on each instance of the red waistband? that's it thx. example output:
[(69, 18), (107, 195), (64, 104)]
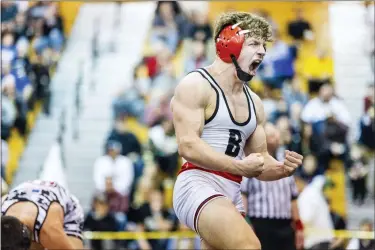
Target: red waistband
[(232, 177)]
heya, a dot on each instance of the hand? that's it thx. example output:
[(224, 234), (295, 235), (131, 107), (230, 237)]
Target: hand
[(252, 165), (292, 162), (299, 239)]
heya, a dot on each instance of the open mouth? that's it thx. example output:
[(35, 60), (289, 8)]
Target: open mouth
[(254, 66)]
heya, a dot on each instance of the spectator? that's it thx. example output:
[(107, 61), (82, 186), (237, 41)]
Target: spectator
[(53, 28), (318, 109), (151, 217), (367, 129), (164, 147), (99, 219), (40, 78), (200, 29), (318, 70), (361, 244), (116, 166), (358, 175), (166, 80), (9, 91), (278, 65), (158, 108), (21, 30), (283, 126), (168, 25), (293, 94), (300, 29), (8, 115), (369, 99), (198, 58), (315, 213), (21, 65), (129, 142), (8, 48), (118, 204), (132, 100), (8, 11)]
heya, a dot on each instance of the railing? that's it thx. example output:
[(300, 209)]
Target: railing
[(60, 136), (78, 102)]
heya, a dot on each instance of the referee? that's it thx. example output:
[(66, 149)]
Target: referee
[(272, 208)]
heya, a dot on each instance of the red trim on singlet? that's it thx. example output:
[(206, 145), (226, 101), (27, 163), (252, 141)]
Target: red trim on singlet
[(232, 177)]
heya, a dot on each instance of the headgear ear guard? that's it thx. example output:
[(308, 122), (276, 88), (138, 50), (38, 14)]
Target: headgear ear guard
[(229, 45)]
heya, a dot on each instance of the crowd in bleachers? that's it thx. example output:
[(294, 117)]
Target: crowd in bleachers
[(134, 178), (300, 101), (32, 40)]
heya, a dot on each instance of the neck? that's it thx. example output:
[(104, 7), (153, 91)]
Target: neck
[(225, 75)]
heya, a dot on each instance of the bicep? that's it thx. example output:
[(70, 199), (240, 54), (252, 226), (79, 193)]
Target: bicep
[(257, 142)]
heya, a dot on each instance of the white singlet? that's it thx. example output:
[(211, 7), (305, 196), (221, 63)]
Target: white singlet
[(42, 194), (195, 185)]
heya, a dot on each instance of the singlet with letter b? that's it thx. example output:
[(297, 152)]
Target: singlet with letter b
[(222, 132), (42, 194)]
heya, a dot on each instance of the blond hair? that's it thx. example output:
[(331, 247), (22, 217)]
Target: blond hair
[(259, 28)]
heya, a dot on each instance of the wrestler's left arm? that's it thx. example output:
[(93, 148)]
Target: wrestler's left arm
[(257, 143)]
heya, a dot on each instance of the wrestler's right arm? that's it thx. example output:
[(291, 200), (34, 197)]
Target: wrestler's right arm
[(188, 105)]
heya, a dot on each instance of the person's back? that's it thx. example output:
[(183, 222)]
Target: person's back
[(48, 211)]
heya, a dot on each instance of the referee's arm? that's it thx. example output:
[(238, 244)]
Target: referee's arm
[(294, 196), (297, 223)]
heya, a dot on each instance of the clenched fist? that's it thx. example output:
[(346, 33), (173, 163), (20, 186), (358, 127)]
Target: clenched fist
[(292, 162), (252, 165)]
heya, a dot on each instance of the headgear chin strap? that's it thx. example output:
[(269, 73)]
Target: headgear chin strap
[(229, 45)]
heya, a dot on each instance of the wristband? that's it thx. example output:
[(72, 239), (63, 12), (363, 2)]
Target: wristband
[(298, 225)]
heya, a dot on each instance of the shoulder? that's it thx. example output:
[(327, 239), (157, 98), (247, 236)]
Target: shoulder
[(192, 85), (193, 81)]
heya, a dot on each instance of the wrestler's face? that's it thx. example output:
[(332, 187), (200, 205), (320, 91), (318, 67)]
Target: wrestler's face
[(252, 54)]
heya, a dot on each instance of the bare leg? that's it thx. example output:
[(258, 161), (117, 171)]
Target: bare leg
[(221, 226)]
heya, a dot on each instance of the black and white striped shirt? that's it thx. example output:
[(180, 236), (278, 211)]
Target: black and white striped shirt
[(269, 199)]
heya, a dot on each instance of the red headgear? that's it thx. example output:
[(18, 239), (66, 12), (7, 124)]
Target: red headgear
[(229, 45), (229, 42)]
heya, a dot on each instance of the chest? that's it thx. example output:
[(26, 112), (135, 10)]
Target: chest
[(237, 106)]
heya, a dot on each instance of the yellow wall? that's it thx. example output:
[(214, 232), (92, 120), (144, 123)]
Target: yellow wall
[(69, 11), (281, 13)]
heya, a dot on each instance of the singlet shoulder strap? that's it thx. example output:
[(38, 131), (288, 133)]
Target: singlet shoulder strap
[(206, 76), (248, 92)]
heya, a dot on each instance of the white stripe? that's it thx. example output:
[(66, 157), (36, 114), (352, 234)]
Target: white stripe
[(265, 207), (258, 205)]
